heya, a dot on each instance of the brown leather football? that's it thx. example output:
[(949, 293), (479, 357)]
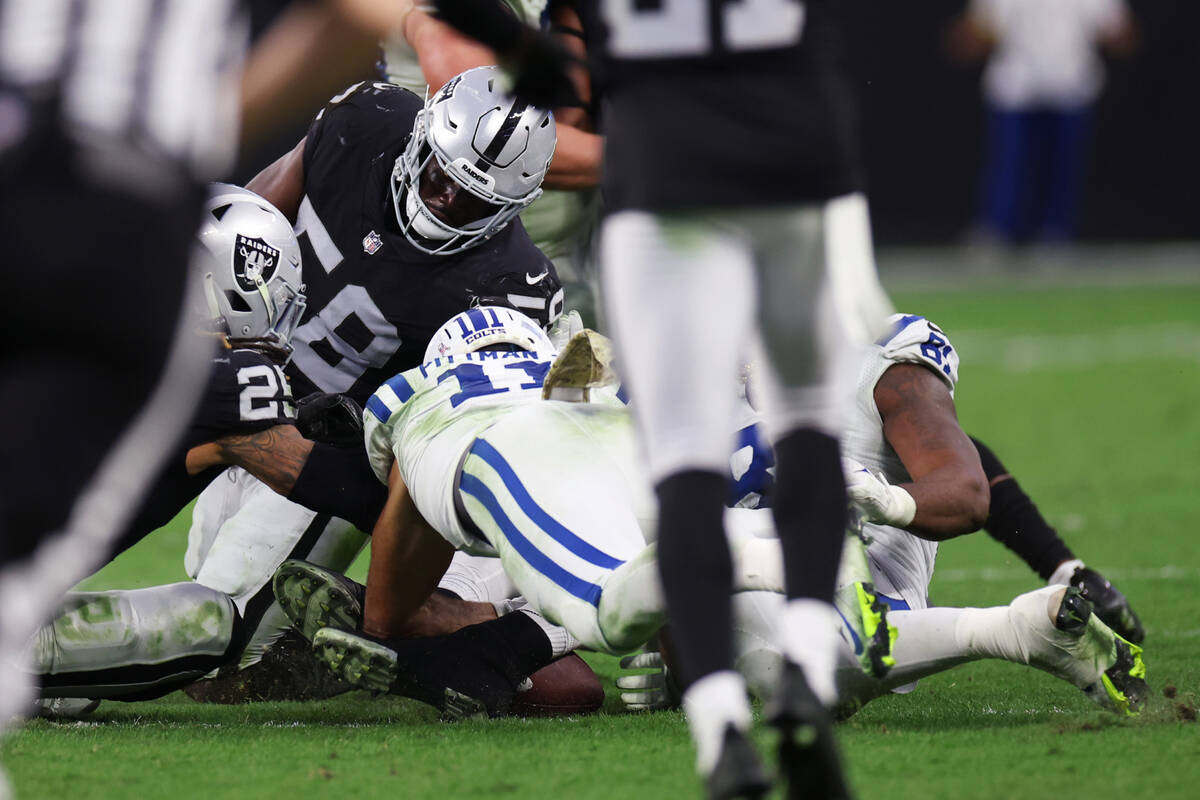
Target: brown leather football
[(562, 688)]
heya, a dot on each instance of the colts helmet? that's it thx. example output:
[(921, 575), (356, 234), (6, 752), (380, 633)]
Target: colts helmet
[(251, 269), (486, 326), (491, 144)]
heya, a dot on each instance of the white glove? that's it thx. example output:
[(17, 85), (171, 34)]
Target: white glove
[(564, 328), (875, 498), (647, 691)]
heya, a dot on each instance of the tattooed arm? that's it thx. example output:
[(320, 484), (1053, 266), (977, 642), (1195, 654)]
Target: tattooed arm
[(274, 456), (921, 425)]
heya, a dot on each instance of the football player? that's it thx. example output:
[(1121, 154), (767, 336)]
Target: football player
[(916, 479), (732, 216), (428, 52), (146, 642)]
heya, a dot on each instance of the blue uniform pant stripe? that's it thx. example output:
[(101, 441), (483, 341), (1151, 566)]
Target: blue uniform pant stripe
[(526, 549), (555, 529)]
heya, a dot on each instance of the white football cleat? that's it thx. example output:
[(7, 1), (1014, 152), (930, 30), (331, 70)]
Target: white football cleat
[(1078, 647)]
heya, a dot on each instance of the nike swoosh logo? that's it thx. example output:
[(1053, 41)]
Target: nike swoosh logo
[(532, 279)]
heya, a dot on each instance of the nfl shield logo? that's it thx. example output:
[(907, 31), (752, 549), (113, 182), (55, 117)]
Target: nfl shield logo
[(372, 243)]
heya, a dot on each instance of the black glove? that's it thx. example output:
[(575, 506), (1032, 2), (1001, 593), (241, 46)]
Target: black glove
[(539, 63), (542, 70), (330, 418)]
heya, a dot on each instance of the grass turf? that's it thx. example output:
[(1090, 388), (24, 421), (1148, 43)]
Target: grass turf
[(1088, 395)]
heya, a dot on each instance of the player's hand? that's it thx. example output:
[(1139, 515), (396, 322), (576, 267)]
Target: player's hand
[(647, 691), (541, 72), (330, 418), (876, 499)]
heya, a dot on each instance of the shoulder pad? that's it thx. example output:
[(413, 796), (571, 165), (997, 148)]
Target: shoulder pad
[(912, 339)]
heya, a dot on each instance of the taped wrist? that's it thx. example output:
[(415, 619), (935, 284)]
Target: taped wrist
[(902, 507), (339, 481)]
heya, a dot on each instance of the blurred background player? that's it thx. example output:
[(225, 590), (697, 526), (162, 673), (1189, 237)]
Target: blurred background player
[(729, 214), (111, 118), (1043, 77)]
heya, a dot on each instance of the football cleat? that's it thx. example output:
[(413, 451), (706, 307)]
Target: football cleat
[(1079, 648), (738, 772), (313, 598), (1110, 605), (585, 363), (863, 613), (469, 673), (64, 708), (358, 660), (808, 755)]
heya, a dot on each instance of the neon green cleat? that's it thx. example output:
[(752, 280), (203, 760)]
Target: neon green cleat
[(1078, 647), (865, 615)]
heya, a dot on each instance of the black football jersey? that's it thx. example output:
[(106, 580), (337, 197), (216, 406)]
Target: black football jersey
[(246, 393), (375, 300), (711, 103)]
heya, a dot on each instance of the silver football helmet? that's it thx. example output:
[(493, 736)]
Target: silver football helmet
[(486, 326), (476, 158), (252, 278)]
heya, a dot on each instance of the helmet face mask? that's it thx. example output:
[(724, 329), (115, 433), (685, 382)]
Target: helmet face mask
[(488, 146), (484, 327), (251, 260)]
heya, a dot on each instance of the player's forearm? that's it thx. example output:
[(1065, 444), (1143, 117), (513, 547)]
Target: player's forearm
[(950, 502), (282, 182), (408, 558), (577, 160), (274, 456), (311, 51)]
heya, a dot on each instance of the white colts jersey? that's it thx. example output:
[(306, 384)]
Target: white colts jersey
[(425, 419), (901, 563)]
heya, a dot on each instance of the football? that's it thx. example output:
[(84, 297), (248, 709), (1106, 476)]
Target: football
[(561, 688)]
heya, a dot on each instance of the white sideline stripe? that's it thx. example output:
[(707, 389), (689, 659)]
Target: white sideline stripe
[(996, 574), (1116, 345)]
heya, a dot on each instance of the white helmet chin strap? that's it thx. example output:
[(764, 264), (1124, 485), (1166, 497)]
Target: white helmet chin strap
[(423, 223)]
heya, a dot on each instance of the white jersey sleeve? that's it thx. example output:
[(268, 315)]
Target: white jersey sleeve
[(912, 339)]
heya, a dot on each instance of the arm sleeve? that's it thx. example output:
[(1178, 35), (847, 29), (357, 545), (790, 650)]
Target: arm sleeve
[(339, 481)]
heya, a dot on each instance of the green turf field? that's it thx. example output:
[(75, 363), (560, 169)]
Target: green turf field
[(1090, 397)]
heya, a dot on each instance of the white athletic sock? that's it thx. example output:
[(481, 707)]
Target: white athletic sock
[(991, 632), (1062, 575), (811, 636), (561, 642), (711, 703)]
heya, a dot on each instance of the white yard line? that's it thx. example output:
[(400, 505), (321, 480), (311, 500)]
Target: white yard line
[(998, 574), (1124, 344)]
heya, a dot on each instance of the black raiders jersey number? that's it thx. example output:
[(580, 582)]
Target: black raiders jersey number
[(257, 401), (638, 29)]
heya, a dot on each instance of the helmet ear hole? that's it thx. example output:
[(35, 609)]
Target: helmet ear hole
[(237, 302)]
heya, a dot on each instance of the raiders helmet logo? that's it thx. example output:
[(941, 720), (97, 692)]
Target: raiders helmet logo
[(254, 261)]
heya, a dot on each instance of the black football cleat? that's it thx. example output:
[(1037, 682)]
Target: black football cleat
[(314, 597), (1109, 604), (808, 755), (738, 773), (468, 674)]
